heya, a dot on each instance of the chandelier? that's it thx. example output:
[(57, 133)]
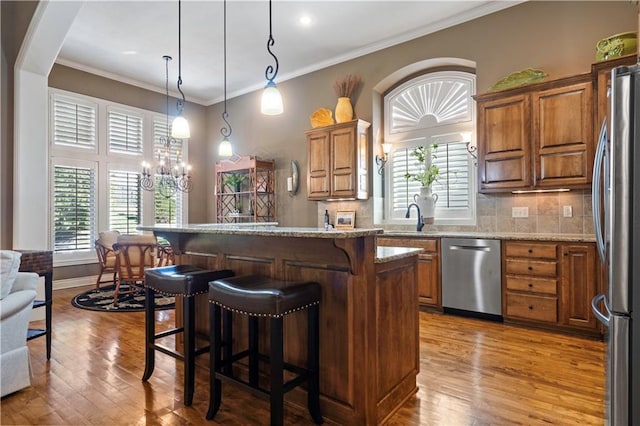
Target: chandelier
[(168, 175)]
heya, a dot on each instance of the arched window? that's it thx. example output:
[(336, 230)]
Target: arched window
[(434, 108)]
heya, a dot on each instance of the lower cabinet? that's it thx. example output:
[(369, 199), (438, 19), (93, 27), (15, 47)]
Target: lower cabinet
[(550, 284), (429, 294)]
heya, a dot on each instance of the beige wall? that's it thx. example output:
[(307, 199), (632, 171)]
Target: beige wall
[(558, 37)]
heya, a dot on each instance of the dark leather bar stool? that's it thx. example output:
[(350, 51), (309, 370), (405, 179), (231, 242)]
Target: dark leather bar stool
[(176, 280), (259, 296)]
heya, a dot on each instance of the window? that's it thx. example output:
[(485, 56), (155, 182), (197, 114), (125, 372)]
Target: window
[(434, 108), (96, 150), (74, 204)]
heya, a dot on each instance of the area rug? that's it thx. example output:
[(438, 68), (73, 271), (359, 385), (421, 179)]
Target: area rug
[(102, 300)]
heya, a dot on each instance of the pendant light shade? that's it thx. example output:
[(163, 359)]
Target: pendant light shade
[(271, 100), (180, 126), (271, 97), (225, 149)]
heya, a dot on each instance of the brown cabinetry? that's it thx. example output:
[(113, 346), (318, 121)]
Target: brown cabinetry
[(429, 287), (337, 161), (537, 137), (550, 284), (250, 200)]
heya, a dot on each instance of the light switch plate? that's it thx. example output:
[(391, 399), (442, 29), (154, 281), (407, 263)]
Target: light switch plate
[(567, 211), (519, 211)]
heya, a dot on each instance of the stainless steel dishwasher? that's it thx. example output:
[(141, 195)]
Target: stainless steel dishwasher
[(471, 275)]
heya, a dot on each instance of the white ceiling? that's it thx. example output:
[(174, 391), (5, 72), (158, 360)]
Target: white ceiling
[(125, 40)]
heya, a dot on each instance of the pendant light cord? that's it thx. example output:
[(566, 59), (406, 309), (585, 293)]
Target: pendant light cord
[(225, 131), (167, 58), (270, 69), (180, 102)]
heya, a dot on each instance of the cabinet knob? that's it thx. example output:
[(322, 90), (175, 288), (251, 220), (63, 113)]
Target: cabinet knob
[(531, 307), (530, 251), (530, 285), (530, 268)]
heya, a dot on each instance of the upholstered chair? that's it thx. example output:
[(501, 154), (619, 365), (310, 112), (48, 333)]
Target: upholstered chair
[(17, 293)]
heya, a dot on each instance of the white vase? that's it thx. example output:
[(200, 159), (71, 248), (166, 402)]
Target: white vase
[(426, 200)]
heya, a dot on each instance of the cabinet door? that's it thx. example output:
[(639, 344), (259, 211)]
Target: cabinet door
[(579, 285), (343, 162), (429, 279), (504, 149), (563, 135), (318, 154)]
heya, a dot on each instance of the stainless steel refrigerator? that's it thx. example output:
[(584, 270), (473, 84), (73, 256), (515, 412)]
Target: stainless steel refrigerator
[(616, 213)]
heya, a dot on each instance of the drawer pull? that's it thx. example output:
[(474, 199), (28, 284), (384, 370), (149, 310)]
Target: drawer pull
[(530, 285), (530, 268), (530, 251), (531, 307)]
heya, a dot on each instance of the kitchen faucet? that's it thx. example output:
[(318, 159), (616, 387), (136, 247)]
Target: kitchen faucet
[(420, 222)]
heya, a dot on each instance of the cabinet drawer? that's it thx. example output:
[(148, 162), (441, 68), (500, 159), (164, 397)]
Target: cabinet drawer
[(540, 308), (529, 250), (534, 285), (531, 267), (430, 245)]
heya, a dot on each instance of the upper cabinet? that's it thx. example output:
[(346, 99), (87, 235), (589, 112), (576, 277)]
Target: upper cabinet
[(337, 161), (601, 72), (536, 137)]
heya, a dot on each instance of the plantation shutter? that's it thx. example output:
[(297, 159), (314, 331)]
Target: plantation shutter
[(74, 123), (124, 132), (452, 186), (403, 189), (74, 207), (125, 201)]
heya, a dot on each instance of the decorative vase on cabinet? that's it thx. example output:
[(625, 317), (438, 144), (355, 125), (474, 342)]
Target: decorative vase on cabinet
[(426, 200), (344, 110)]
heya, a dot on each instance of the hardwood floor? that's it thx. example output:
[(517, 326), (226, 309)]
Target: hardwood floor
[(472, 372)]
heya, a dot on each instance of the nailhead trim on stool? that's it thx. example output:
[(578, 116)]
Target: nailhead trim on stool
[(258, 296), (176, 280)]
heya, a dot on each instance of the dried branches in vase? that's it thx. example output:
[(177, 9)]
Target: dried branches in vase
[(346, 86)]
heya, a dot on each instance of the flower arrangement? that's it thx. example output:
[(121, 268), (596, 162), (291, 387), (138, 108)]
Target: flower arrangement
[(429, 174), (345, 87)]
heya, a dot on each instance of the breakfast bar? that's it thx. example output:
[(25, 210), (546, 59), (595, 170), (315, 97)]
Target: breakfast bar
[(369, 341)]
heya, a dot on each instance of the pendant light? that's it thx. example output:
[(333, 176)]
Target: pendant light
[(225, 149), (271, 98), (180, 126)]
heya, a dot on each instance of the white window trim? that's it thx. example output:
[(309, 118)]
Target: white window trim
[(104, 161), (440, 133)]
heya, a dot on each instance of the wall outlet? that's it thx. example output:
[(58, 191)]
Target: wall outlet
[(567, 211), (519, 211)]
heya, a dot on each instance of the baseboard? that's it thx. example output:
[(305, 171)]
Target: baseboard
[(74, 282)]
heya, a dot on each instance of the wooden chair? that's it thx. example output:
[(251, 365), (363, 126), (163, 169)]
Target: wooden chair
[(134, 253), (106, 255)]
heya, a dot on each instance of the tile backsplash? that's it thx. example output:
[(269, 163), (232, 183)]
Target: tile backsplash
[(494, 214)]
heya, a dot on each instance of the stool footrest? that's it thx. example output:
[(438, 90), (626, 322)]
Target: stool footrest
[(169, 332)]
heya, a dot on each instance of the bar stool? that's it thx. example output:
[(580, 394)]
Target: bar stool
[(259, 296), (176, 280)]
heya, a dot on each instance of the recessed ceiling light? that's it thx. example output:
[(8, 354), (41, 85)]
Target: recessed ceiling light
[(305, 20), (129, 52)]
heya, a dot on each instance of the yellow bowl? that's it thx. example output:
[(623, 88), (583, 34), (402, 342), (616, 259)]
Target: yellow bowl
[(616, 45)]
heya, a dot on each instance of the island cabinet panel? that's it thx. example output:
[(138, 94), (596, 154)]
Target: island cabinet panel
[(338, 161), (536, 137), (369, 338), (550, 284), (429, 271)]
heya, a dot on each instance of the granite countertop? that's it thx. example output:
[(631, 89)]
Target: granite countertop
[(268, 230), (494, 235), (387, 254)]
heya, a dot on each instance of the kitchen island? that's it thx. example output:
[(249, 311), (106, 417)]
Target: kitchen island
[(369, 341)]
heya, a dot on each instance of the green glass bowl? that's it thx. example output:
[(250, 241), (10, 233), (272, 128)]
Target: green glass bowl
[(617, 45)]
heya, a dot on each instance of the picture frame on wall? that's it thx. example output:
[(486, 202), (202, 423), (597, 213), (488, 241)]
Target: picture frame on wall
[(345, 219)]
